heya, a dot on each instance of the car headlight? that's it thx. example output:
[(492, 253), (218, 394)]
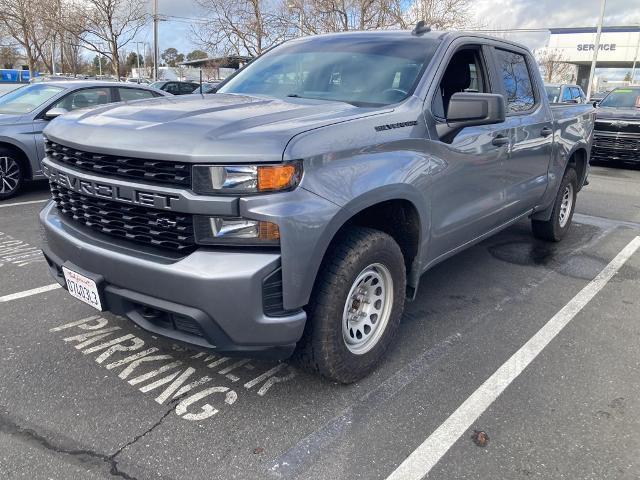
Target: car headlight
[(245, 179), (235, 231)]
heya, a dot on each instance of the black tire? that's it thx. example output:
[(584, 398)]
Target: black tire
[(323, 348), (554, 230), (11, 174)]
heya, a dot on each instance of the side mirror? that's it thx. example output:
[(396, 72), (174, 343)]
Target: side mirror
[(470, 109), (596, 103), (55, 113)]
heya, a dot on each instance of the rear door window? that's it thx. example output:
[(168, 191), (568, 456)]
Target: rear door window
[(130, 94), (516, 81)]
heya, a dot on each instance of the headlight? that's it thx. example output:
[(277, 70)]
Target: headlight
[(245, 179), (235, 231)]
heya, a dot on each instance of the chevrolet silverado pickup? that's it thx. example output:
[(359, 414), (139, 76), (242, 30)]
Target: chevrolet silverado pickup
[(294, 211), (617, 128)]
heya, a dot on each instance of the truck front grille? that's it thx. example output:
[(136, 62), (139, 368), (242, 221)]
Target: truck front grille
[(153, 171), (157, 228), (614, 147)]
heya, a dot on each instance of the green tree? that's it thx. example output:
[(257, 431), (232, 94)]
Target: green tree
[(169, 56), (95, 65), (131, 61), (197, 55)]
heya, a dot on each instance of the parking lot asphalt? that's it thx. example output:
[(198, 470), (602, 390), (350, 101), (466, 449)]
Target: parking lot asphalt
[(74, 406)]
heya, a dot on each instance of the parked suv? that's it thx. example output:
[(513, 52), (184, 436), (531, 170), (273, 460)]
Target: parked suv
[(295, 210), (26, 111), (617, 130)]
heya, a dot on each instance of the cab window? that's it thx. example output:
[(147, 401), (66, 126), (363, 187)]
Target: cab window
[(516, 81), (464, 73)]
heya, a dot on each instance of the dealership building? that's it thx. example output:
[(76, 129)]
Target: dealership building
[(619, 48)]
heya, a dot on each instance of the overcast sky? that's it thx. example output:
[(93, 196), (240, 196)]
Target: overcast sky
[(499, 14)]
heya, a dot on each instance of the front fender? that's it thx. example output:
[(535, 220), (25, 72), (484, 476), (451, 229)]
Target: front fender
[(309, 221)]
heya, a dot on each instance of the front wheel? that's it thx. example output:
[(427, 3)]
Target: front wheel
[(554, 229), (11, 175), (356, 306)]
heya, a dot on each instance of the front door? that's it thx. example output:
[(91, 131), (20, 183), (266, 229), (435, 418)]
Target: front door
[(467, 196)]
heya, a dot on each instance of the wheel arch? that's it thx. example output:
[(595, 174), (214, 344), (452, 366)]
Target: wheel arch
[(392, 209)]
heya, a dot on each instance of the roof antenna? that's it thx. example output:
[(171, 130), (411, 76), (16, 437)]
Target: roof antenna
[(420, 28)]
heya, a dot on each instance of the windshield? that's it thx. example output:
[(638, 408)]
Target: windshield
[(622, 98), (361, 70), (553, 94), (27, 99), (157, 84)]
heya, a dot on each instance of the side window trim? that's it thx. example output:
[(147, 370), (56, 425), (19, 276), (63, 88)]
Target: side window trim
[(532, 78)]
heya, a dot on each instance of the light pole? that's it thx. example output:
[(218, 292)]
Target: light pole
[(138, 58), (156, 52), (596, 47)]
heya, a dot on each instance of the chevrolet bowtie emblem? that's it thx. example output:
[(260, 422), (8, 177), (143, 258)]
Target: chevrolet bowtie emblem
[(619, 124), (163, 222)]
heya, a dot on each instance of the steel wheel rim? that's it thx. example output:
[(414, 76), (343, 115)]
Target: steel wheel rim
[(9, 174), (367, 309), (565, 205)]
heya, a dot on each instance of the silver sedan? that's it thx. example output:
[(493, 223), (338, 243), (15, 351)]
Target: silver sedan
[(25, 112)]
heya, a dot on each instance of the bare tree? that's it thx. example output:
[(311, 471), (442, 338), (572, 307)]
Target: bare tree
[(107, 26), (554, 67), (438, 14), (246, 27), (22, 21), (342, 15)]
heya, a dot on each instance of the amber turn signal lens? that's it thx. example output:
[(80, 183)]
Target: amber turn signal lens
[(269, 231), (277, 177)]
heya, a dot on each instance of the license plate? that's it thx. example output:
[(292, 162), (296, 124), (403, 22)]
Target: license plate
[(82, 288)]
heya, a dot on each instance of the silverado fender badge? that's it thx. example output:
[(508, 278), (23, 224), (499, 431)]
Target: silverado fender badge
[(391, 126)]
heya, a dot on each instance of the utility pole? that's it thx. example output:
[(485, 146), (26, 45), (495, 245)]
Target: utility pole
[(635, 60), (156, 51), (138, 59), (596, 47), (53, 55)]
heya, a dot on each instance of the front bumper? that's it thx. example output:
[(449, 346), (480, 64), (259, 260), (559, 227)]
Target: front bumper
[(210, 298)]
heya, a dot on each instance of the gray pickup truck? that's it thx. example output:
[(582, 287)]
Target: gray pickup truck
[(294, 211)]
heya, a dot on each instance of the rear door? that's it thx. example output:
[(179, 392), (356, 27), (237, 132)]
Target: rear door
[(530, 125), (467, 193)]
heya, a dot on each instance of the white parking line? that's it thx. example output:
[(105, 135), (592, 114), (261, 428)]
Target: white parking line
[(22, 203), (420, 462), (28, 293)]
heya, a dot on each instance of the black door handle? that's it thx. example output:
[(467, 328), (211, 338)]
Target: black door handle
[(546, 131), (500, 140)]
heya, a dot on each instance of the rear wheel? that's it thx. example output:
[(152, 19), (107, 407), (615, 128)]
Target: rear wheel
[(11, 174), (554, 229), (356, 306)]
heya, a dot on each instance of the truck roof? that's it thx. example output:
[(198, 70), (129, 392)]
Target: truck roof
[(408, 34)]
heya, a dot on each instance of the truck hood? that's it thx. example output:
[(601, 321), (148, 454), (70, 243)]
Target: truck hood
[(9, 119), (220, 128), (610, 113)]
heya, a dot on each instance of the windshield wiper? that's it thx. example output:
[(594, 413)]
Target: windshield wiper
[(354, 103)]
